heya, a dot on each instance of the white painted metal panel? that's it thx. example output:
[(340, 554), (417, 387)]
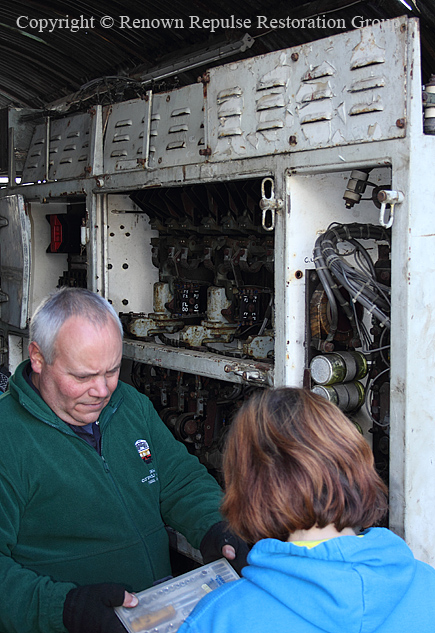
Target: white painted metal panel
[(126, 135), (412, 438), (68, 149), (177, 127), (337, 91), (129, 272)]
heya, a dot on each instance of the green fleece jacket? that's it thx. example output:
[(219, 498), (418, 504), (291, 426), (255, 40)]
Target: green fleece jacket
[(69, 516)]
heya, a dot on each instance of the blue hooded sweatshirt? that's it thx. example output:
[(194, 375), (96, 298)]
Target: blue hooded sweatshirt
[(349, 584)]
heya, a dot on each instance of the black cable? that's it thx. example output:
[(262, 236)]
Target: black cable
[(361, 285)]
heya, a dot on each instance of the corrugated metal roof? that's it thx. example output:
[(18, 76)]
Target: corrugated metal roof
[(51, 49)]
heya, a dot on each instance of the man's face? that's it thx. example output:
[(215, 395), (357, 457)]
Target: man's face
[(85, 371)]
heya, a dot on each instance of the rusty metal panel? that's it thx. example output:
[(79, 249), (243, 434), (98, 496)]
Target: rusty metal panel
[(337, 91), (204, 363), (68, 149), (15, 147), (126, 136), (177, 127), (14, 261), (34, 167)]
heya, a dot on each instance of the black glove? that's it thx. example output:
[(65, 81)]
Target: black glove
[(89, 609), (218, 536)]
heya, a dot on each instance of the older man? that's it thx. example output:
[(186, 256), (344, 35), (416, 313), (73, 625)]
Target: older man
[(89, 477)]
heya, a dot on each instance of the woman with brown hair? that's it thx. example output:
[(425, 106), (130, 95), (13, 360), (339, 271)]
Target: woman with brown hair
[(302, 488)]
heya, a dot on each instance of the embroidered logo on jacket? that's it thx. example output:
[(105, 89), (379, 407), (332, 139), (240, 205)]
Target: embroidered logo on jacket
[(151, 478), (143, 449)]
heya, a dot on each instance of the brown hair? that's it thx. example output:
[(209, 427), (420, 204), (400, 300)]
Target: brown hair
[(294, 461)]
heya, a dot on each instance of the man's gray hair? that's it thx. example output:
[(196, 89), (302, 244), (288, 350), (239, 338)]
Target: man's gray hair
[(59, 306)]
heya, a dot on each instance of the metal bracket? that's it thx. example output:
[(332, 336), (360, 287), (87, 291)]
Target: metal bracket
[(247, 373), (390, 198), (270, 204)]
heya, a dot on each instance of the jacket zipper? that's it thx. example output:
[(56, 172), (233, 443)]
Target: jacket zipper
[(127, 511), (106, 469)]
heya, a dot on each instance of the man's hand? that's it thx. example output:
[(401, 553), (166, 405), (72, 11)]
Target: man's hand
[(89, 609), (130, 600), (229, 552), (220, 541)]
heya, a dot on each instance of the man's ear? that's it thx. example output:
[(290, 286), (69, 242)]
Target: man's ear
[(36, 358)]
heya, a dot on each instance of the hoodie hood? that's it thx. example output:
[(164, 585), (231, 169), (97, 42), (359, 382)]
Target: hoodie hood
[(354, 585)]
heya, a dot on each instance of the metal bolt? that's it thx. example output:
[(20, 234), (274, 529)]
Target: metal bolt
[(292, 140), (294, 57), (400, 123), (205, 78)]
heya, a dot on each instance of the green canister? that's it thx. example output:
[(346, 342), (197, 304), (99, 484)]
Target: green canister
[(348, 396), (329, 369)]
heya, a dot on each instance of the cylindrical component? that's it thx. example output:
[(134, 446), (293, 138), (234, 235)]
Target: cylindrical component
[(216, 302), (389, 196), (355, 187), (346, 396), (83, 235), (162, 296), (329, 369)]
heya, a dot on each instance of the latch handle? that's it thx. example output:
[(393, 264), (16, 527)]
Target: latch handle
[(390, 198), (270, 204)]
